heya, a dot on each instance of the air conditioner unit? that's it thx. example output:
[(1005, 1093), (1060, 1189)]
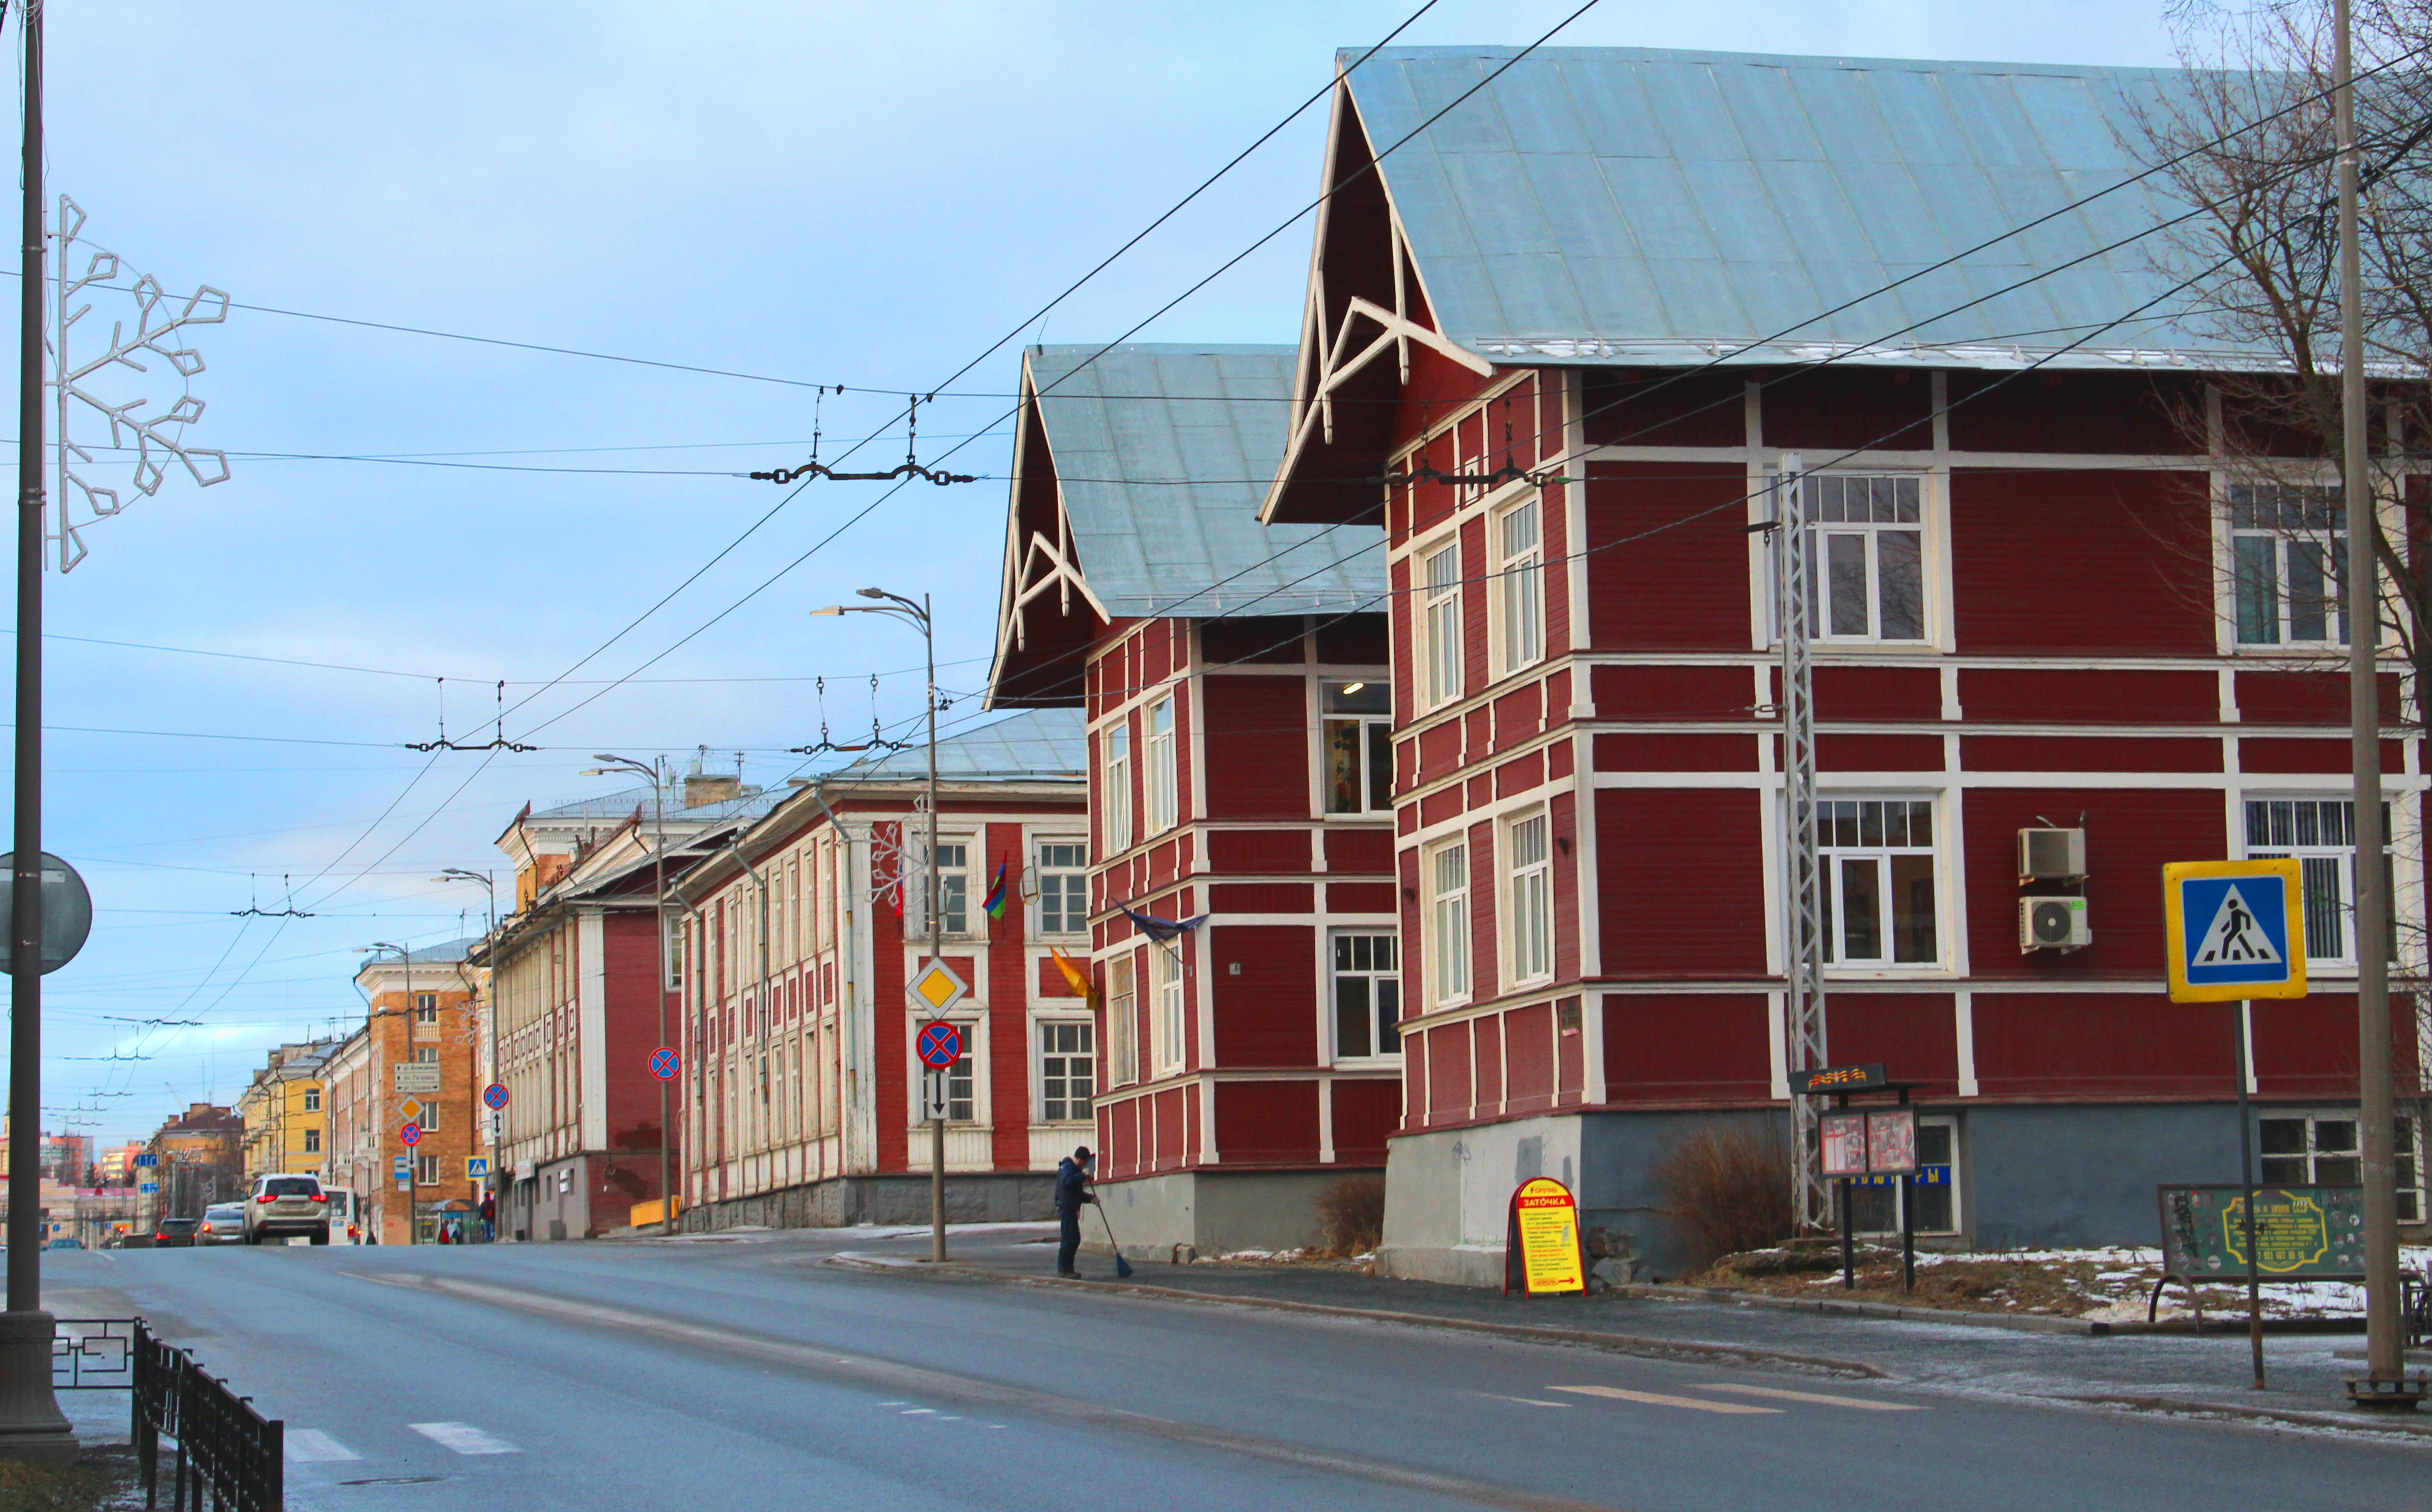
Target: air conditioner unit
[(2053, 924), (2052, 855)]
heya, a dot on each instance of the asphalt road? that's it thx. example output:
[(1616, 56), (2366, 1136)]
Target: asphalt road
[(753, 1374)]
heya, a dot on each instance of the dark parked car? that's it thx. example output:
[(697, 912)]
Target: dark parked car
[(176, 1234)]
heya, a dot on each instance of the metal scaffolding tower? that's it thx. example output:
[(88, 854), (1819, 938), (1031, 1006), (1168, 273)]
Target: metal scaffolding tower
[(1802, 871)]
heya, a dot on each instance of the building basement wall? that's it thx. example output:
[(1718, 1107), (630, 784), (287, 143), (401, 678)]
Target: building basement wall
[(2029, 1177), (1212, 1212)]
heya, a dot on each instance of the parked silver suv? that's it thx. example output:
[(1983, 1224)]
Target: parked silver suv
[(284, 1206)]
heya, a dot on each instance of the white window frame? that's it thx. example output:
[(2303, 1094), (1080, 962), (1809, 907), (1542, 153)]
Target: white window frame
[(952, 860), (1958, 1178), (1159, 758), (312, 1141), (2298, 522), (1084, 1056), (1122, 1019), (1384, 1008), (2407, 1147), (1117, 746), (2292, 825), (964, 1083), (1528, 854), (1439, 660), (426, 1007), (311, 1099), (1071, 914), (1168, 1008), (1373, 734), (1447, 876), (1840, 855), (426, 1171), (1519, 584), (1911, 512)]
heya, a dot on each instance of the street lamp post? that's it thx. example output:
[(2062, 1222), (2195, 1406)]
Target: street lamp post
[(659, 922), (405, 958), (473, 1093), (31, 1425), (917, 614)]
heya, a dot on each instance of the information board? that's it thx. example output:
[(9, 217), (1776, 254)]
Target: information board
[(1843, 1137), (2301, 1232), (415, 1076), (1546, 1234), (1891, 1141)]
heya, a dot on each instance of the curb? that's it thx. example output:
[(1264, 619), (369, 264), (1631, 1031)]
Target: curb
[(2345, 1423), (1620, 1343), (2019, 1322)]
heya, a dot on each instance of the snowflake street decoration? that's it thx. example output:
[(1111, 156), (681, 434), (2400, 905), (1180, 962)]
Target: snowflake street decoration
[(81, 386)]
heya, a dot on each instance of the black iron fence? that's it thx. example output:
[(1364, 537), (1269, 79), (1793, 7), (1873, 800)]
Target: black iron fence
[(93, 1355), (223, 1447)]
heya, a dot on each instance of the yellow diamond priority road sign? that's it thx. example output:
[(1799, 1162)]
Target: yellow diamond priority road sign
[(937, 988), (410, 1109)]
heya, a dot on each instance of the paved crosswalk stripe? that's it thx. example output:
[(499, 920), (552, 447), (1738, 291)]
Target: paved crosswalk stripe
[(1655, 1398), (1861, 1404), (463, 1437), (311, 1446)]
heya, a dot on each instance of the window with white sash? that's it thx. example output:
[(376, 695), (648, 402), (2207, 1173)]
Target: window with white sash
[(1447, 871), (1440, 679), (1520, 585), (1163, 809), (1116, 795), (1529, 899)]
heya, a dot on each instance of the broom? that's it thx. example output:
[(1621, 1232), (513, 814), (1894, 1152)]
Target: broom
[(1123, 1267)]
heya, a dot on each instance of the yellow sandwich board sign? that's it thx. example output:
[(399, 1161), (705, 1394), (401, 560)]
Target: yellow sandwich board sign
[(1545, 1239), (2237, 930)]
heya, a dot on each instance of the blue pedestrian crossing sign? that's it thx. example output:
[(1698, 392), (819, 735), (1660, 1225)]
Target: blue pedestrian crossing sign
[(2237, 930)]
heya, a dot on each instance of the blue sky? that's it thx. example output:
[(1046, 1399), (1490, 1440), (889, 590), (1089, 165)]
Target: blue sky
[(825, 192)]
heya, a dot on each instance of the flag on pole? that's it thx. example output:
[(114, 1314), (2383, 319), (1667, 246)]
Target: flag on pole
[(1075, 977), (995, 904)]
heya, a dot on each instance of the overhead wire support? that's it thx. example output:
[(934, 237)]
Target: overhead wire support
[(907, 469)]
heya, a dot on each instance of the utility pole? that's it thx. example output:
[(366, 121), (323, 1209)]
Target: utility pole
[(2385, 1354), (31, 1425), (917, 613)]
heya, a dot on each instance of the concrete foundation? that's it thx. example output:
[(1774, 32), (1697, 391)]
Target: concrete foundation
[(2028, 1177), (1013, 1197), (1210, 1213)]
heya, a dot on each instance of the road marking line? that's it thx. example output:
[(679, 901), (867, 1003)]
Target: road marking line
[(463, 1438), (1655, 1398), (1861, 1404), (918, 1412), (311, 1446), (1526, 1401)]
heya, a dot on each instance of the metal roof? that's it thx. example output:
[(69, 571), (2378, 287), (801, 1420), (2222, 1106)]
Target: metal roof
[(609, 807), (1040, 745), (1163, 453), (1604, 204)]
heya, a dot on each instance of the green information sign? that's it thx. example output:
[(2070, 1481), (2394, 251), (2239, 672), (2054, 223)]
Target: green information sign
[(2301, 1232)]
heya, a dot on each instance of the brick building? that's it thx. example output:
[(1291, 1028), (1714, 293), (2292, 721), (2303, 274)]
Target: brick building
[(1234, 680), (800, 1089), (1587, 317), (199, 1159), (425, 1008)]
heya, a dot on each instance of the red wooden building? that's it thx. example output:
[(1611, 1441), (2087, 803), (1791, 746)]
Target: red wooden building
[(1235, 685), (1613, 289)]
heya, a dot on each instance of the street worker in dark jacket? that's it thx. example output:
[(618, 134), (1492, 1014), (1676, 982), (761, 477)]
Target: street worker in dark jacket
[(1072, 1190)]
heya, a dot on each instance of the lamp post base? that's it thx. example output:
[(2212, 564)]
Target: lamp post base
[(32, 1428)]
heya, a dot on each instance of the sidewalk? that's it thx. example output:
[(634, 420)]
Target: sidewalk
[(2206, 1376)]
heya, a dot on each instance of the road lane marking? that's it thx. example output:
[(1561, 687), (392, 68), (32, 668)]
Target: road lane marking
[(1860, 1403), (1526, 1401), (311, 1446), (1657, 1399), (463, 1438), (871, 1372), (918, 1412)]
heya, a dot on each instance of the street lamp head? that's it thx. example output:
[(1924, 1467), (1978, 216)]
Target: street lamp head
[(874, 592), (832, 609)]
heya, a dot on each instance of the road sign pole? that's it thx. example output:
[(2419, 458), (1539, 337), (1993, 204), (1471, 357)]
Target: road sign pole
[(2237, 1028)]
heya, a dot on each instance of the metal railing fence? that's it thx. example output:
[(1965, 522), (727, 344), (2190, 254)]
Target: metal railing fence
[(225, 1448)]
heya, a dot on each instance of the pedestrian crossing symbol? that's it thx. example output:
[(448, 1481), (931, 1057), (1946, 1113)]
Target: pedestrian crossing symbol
[(2237, 930)]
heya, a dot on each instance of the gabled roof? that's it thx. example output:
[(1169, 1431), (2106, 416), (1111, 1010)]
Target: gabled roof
[(1162, 454), (1037, 746), (1139, 471), (1635, 205)]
